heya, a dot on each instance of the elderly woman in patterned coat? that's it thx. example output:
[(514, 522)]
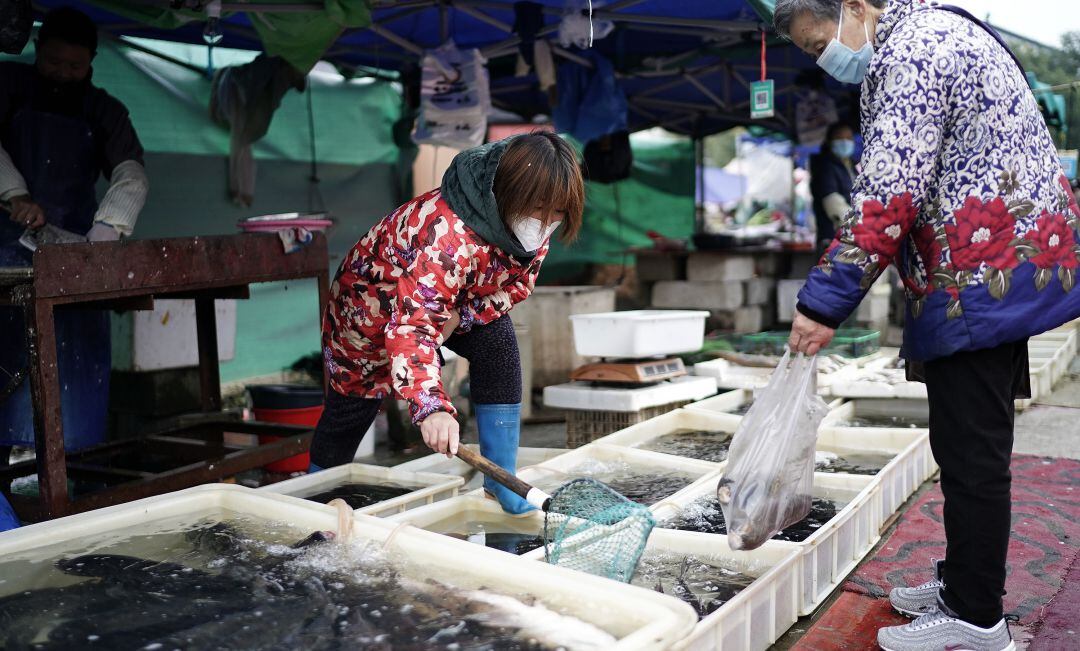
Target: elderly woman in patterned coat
[(445, 269), (962, 190)]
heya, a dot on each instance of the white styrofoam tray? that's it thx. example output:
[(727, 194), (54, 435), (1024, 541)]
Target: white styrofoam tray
[(641, 619), (439, 464), (430, 487), (736, 376), (639, 333), (559, 470), (759, 614), (834, 550), (583, 397)]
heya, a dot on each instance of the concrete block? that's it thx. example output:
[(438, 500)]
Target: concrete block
[(715, 267), (749, 319), (654, 267), (698, 295), (787, 295), (759, 290)]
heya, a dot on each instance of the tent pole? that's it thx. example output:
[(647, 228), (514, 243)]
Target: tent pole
[(699, 190), (444, 22), (396, 40)]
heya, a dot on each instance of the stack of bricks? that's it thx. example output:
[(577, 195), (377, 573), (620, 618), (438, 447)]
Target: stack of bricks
[(738, 290)]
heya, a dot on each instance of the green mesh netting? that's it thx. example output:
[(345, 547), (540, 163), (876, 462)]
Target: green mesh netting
[(591, 528)]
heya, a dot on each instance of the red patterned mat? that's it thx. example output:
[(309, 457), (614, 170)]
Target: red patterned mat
[(1043, 549)]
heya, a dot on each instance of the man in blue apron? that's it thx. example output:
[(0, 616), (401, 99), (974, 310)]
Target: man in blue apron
[(58, 134)]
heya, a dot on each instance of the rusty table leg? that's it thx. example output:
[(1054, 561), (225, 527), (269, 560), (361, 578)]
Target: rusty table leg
[(209, 373), (45, 394)]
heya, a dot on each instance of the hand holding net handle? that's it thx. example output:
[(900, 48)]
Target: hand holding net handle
[(529, 493)]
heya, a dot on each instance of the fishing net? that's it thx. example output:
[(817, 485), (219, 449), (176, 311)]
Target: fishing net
[(591, 528)]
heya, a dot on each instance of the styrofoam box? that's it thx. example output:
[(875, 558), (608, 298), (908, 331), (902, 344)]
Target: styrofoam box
[(639, 333), (440, 465), (681, 419), (430, 486), (581, 396), (735, 376), (758, 615), (834, 550), (641, 619), (557, 470)]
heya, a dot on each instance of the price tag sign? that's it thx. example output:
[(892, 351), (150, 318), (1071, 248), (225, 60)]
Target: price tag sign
[(762, 99)]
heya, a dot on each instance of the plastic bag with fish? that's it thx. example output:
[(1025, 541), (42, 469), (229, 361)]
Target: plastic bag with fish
[(767, 485)]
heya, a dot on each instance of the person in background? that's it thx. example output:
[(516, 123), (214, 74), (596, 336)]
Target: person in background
[(832, 173), (961, 188), (58, 134), (445, 269)]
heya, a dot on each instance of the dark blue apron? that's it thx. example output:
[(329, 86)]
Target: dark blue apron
[(57, 158)]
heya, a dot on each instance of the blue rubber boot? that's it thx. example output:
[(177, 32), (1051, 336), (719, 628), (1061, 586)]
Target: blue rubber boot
[(499, 428), (313, 468)]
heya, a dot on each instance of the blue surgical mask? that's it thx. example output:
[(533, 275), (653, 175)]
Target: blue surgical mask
[(843, 63), (843, 148)]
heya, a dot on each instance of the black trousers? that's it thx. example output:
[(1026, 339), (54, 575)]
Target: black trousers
[(971, 433), (494, 379)]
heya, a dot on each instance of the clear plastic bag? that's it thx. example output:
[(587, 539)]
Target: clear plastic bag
[(769, 478)]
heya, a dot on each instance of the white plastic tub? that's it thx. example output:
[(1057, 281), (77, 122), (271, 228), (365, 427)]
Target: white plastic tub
[(440, 465), (724, 404), (911, 465), (430, 487), (553, 473), (902, 410), (641, 434), (834, 550), (443, 517), (759, 614), (639, 333), (640, 619)]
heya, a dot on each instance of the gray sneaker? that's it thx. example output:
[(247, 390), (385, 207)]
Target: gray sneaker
[(937, 631), (922, 599)]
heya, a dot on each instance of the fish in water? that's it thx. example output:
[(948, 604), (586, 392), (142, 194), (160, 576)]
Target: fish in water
[(359, 496)]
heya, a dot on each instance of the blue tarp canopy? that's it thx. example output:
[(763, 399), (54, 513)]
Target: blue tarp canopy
[(685, 65)]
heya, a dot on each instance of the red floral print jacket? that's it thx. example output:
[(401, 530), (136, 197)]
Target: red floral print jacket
[(394, 292), (960, 188)]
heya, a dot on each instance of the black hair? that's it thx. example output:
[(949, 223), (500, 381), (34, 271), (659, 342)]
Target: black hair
[(71, 26), (835, 128)]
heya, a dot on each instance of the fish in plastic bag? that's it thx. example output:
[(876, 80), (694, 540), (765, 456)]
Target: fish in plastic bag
[(768, 482)]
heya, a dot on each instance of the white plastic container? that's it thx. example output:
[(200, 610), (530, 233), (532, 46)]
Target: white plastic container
[(441, 516), (723, 404), (583, 396), (834, 550), (440, 465), (641, 434), (758, 615), (429, 486), (639, 333), (640, 619), (918, 410), (736, 376), (554, 472)]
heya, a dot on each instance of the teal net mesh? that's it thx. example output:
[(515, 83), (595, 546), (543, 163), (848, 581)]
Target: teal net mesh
[(591, 528)]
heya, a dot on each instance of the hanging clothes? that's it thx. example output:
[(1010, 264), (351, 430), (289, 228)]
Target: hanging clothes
[(591, 102), (243, 99), (533, 52), (455, 98)]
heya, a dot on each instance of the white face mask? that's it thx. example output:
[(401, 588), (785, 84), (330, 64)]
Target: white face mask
[(532, 234)]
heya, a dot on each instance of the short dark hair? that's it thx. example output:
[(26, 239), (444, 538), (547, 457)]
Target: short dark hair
[(71, 26), (786, 10), (835, 128), (541, 169)]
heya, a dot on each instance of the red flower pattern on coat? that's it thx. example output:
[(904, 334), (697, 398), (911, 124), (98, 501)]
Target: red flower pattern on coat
[(1055, 241), (881, 228), (928, 247), (982, 233)]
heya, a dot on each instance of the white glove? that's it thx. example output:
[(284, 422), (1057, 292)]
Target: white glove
[(102, 232)]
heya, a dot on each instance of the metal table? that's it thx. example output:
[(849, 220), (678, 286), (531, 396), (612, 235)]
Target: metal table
[(129, 276)]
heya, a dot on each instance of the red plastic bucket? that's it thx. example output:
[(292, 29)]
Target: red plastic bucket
[(288, 405)]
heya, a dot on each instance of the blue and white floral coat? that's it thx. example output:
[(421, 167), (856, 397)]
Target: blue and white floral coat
[(961, 189)]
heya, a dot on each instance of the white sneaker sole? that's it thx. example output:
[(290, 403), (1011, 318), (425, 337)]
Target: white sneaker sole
[(1011, 647)]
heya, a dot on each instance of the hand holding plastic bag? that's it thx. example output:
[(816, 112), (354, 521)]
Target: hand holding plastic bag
[(769, 478)]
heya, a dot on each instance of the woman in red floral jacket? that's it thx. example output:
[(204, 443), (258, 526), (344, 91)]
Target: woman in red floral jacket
[(445, 269)]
